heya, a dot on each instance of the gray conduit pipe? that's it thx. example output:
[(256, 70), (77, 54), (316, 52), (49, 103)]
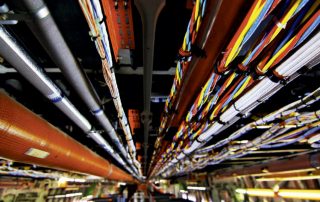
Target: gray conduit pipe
[(26, 66), (47, 32)]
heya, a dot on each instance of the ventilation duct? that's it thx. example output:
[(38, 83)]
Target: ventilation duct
[(25, 137)]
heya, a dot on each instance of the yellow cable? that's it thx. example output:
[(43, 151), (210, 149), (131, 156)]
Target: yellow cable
[(286, 18), (245, 84), (270, 62), (253, 17), (311, 10)]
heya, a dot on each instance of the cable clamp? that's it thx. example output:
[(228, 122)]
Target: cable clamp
[(275, 77)]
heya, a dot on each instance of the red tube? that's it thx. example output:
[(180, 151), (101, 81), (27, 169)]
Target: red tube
[(22, 130)]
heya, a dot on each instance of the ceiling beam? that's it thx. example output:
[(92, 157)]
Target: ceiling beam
[(122, 70), (149, 12)]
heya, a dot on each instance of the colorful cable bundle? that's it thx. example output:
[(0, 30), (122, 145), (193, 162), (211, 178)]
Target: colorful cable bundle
[(300, 17), (93, 14)]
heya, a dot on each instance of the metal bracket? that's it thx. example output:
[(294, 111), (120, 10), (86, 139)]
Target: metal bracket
[(13, 18)]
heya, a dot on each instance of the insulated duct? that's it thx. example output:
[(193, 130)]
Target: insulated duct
[(18, 57), (47, 32), (25, 137)]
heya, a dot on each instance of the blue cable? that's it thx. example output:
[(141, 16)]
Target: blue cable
[(309, 132), (293, 27)]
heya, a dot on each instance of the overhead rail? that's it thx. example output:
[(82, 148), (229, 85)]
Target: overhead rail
[(25, 137), (93, 13), (222, 97), (26, 66)]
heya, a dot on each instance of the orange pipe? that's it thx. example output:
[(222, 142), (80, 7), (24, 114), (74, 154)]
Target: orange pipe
[(21, 130)]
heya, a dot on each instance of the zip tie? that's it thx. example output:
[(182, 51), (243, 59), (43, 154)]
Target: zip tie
[(281, 25), (102, 20), (303, 102), (234, 106), (317, 115), (94, 38)]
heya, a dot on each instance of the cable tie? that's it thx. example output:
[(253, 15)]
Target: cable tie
[(93, 38), (102, 20), (317, 115), (199, 140), (234, 106), (297, 118), (219, 121), (303, 102)]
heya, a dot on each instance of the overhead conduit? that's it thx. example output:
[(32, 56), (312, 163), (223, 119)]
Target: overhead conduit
[(304, 56), (232, 92), (21, 131), (47, 32), (18, 57), (93, 13)]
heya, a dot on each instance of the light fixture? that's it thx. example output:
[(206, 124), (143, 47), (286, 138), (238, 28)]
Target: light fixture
[(293, 178), (196, 188), (283, 193)]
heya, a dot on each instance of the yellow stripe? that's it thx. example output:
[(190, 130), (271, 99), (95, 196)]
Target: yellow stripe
[(214, 111), (196, 13), (286, 18), (242, 87), (184, 44), (234, 51), (311, 10), (270, 62), (233, 75)]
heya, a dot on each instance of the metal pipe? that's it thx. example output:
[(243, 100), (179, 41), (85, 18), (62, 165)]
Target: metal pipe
[(47, 32), (25, 137), (18, 57), (149, 11)]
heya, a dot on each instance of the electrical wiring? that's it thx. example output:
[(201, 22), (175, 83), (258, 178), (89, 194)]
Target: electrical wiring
[(93, 13), (265, 142), (278, 114), (268, 86), (185, 56)]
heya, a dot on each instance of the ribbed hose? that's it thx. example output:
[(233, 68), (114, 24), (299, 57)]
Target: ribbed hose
[(22, 130)]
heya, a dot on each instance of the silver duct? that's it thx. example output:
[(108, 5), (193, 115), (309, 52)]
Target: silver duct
[(26, 66), (45, 29)]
